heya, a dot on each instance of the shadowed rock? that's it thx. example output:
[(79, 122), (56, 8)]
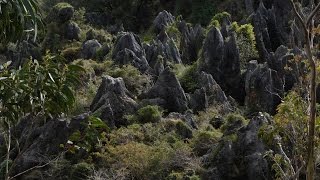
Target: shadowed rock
[(169, 90), (89, 48), (128, 50), (163, 19), (191, 41), (263, 88), (113, 101)]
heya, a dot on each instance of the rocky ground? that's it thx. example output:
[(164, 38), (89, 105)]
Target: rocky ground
[(180, 100)]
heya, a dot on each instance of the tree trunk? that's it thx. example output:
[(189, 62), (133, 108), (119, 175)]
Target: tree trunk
[(311, 127)]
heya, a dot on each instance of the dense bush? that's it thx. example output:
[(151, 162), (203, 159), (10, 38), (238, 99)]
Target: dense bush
[(246, 42), (233, 122), (218, 19), (204, 141), (187, 76), (148, 114)]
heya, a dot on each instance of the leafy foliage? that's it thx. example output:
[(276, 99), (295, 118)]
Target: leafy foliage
[(38, 88), (18, 18), (149, 113), (289, 130), (217, 19), (90, 138), (246, 42)]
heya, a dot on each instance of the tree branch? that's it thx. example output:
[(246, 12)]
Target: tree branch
[(313, 13), (299, 17)]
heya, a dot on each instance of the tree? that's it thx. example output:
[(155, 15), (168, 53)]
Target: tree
[(18, 17), (38, 89), (307, 25)]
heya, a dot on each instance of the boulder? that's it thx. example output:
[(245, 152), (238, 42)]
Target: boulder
[(163, 19), (198, 101), (128, 50), (213, 91), (113, 101), (168, 88), (287, 69), (127, 56), (208, 93), (128, 40), (89, 48)]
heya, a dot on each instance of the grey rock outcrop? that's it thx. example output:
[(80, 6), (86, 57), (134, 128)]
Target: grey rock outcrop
[(128, 49), (167, 49), (127, 56), (213, 54), (114, 101), (89, 48), (163, 19), (208, 93), (221, 59), (168, 89), (242, 158), (287, 69), (188, 118), (191, 41)]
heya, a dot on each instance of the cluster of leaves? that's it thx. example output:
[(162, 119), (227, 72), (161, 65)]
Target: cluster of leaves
[(218, 19), (38, 88), (289, 130), (187, 76), (246, 42), (91, 137), (17, 18), (148, 114)]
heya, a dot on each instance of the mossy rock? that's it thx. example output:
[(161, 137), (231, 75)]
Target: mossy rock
[(61, 12)]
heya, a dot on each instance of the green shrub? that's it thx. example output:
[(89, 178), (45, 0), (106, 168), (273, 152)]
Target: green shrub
[(38, 88), (218, 19), (204, 140), (183, 130), (128, 134), (246, 42), (233, 122), (188, 76), (134, 80), (81, 171), (71, 54), (148, 114)]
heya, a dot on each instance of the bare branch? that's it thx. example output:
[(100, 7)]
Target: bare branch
[(313, 13), (299, 17), (33, 168)]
